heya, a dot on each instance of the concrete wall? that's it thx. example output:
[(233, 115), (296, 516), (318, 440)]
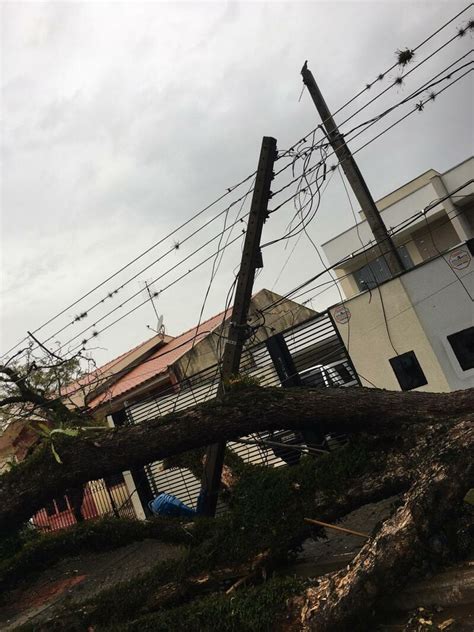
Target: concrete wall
[(369, 336), (422, 307), (440, 236), (279, 317), (399, 211), (421, 244), (442, 298), (404, 202), (459, 174)]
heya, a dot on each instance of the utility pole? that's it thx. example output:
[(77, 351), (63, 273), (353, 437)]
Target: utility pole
[(251, 260), (354, 176)]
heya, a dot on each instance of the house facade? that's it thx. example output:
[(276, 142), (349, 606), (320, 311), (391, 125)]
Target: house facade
[(414, 331), (420, 227)]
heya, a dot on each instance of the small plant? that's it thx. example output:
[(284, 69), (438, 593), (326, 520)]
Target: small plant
[(404, 56), (240, 381), (49, 434)]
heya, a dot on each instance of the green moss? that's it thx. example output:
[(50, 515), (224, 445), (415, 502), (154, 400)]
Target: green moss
[(254, 609), (240, 382)]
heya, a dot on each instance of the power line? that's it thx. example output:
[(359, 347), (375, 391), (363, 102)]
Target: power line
[(380, 77), (359, 149), (96, 333), (229, 190), (135, 276), (400, 227), (292, 293), (402, 78), (215, 267), (383, 74), (369, 123)]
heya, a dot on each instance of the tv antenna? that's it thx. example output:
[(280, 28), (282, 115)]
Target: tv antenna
[(160, 328)]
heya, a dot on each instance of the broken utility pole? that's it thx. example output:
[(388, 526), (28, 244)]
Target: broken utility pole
[(251, 260), (354, 176)]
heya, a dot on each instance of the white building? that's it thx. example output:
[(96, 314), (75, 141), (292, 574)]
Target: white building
[(414, 331), (419, 235)]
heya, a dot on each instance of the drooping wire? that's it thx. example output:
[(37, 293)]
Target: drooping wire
[(380, 77), (430, 98), (229, 190)]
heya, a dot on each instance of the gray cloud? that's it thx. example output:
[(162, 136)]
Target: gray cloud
[(122, 119)]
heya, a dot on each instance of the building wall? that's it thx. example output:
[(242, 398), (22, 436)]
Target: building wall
[(442, 297), (399, 211), (403, 203), (422, 244), (438, 237), (347, 282), (468, 213), (284, 314), (369, 336), (458, 175), (422, 307)]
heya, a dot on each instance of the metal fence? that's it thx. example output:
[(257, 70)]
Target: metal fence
[(315, 356), (100, 498)]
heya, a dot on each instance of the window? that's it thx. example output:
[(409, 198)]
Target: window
[(377, 271), (408, 371), (462, 343)]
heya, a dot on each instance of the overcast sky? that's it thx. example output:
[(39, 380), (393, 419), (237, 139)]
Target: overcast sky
[(121, 120)]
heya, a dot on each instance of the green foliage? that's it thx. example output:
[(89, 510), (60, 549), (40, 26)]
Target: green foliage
[(250, 610), (266, 512), (47, 433), (240, 382), (15, 542), (131, 598)]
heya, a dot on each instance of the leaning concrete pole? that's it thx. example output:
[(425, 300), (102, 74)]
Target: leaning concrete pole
[(361, 191)]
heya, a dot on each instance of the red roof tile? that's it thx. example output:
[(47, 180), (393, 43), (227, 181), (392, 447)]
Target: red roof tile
[(158, 362), (93, 376)]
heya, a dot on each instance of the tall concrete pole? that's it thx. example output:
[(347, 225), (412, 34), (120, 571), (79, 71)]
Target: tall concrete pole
[(354, 176), (238, 325)]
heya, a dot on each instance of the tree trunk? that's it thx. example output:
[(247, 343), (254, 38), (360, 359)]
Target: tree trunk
[(31, 484), (387, 560)]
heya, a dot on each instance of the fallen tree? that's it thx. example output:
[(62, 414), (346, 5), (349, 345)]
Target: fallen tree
[(93, 454), (444, 476), (419, 443)]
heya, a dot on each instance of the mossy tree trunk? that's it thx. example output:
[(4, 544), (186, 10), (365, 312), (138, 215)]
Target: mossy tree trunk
[(386, 561), (94, 454)]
